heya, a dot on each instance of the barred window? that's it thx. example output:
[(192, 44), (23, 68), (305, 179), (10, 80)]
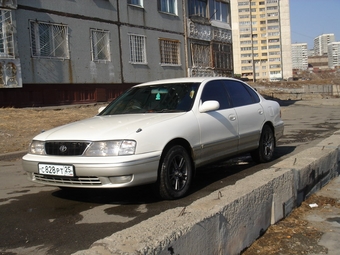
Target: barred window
[(100, 45), (222, 56), (6, 35), (200, 54), (49, 40), (137, 49), (170, 52)]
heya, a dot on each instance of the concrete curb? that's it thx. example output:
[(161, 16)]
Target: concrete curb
[(12, 155), (232, 218)]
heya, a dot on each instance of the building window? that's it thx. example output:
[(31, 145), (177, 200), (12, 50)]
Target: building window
[(100, 45), (198, 8), (6, 35), (245, 48), (272, 53), (219, 10), (245, 36), (273, 27), (243, 3), (49, 40), (270, 8), (244, 10), (245, 55), (170, 52), (222, 56), (136, 2), (244, 16), (200, 55), (169, 6), (245, 23), (137, 49), (246, 42), (271, 21)]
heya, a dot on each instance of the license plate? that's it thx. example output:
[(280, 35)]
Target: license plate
[(61, 170)]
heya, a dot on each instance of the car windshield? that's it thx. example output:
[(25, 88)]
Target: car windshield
[(175, 97)]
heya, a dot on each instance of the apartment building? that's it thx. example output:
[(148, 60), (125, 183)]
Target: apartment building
[(65, 52), (209, 38), (334, 55), (321, 44), (261, 39), (86, 51), (300, 56)]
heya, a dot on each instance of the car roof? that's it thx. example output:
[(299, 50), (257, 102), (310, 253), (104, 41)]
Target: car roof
[(185, 80)]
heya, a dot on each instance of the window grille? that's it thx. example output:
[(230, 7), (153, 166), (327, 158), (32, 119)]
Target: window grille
[(100, 44), (169, 50), (222, 56), (49, 40), (6, 35), (137, 49), (200, 54)]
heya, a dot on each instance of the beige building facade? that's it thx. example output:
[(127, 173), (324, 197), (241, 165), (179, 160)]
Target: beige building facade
[(261, 39)]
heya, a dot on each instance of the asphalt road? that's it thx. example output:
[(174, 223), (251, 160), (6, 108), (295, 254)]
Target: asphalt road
[(36, 219)]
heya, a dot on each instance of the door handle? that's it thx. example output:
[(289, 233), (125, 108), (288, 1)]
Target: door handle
[(232, 117)]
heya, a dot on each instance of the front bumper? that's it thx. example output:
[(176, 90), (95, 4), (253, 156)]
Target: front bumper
[(96, 172)]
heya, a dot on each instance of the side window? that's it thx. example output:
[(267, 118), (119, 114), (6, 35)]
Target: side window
[(214, 90), (253, 94), (239, 95)]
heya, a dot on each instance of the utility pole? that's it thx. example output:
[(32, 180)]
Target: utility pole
[(252, 42)]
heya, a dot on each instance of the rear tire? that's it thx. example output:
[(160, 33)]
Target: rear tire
[(175, 173), (265, 151)]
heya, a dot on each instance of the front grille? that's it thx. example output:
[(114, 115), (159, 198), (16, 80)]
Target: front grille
[(79, 181), (65, 148)]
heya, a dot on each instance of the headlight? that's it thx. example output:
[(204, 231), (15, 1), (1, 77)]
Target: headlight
[(37, 147), (111, 148)]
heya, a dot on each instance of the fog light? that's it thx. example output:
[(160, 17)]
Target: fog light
[(120, 179)]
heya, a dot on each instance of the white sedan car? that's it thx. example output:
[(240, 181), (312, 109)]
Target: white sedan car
[(158, 132)]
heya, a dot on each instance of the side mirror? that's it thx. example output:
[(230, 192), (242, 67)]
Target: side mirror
[(208, 106)]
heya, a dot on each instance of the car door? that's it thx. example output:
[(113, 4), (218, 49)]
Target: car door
[(219, 128), (249, 113)]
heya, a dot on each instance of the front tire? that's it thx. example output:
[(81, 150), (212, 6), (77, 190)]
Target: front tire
[(264, 153), (175, 173)]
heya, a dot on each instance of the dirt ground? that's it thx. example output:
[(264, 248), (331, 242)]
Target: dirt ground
[(19, 126), (293, 235)]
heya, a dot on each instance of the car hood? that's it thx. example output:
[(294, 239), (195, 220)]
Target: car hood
[(106, 127)]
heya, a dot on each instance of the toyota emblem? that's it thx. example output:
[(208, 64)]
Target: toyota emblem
[(63, 148)]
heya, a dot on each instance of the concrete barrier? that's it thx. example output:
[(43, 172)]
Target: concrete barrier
[(232, 218)]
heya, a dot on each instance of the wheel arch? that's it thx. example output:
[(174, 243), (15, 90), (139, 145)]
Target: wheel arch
[(185, 144), (270, 124)]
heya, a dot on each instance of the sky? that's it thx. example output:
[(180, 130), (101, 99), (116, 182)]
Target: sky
[(311, 18)]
